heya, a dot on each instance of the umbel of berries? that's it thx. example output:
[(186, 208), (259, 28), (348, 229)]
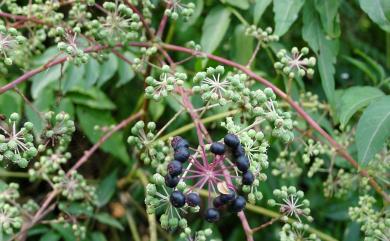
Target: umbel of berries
[(170, 203), (180, 156), (241, 160), (16, 145)]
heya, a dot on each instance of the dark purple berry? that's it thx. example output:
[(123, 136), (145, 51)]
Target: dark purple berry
[(242, 163), (182, 154), (217, 202), (238, 151), (212, 215), (237, 204), (217, 148), (231, 140), (171, 181), (175, 168), (248, 178), (179, 142), (225, 198), (193, 199), (177, 199)]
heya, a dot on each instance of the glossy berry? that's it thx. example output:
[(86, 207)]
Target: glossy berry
[(182, 154), (175, 168), (177, 199), (212, 215), (179, 142), (242, 163), (193, 199), (225, 198), (237, 204), (217, 202), (248, 178), (238, 151), (231, 140), (171, 181), (217, 148)]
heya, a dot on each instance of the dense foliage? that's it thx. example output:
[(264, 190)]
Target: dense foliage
[(195, 120)]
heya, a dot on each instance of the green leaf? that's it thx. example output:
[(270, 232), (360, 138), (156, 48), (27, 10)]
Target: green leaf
[(76, 208), (356, 98), (377, 11), (42, 104), (50, 236), (66, 105), (328, 13), (98, 236), (352, 232), (106, 188), (156, 109), (363, 67), (92, 97), (92, 72), (45, 78), (10, 102), (377, 68), (48, 55), (89, 118), (243, 45), (108, 69), (260, 6), (373, 129), (73, 77), (65, 232), (214, 28), (105, 218), (243, 4), (325, 48), (125, 70), (286, 12)]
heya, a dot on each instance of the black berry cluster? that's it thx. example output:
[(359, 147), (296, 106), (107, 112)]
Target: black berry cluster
[(175, 167), (240, 158), (230, 201)]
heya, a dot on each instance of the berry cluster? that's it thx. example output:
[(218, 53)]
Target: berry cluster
[(152, 151), (292, 203), (74, 187), (119, 26), (17, 146), (172, 200), (49, 164), (10, 215), (176, 7), (68, 43), (201, 235), (10, 40), (294, 65), (165, 85), (263, 36), (58, 130), (175, 167), (374, 223), (296, 231)]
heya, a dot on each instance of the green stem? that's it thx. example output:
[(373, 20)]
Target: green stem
[(133, 227), (239, 16), (388, 50), (4, 173)]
